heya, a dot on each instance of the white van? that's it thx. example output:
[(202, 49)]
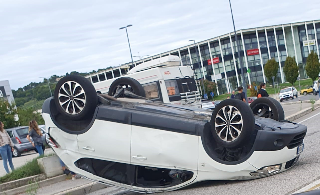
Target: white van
[(163, 79)]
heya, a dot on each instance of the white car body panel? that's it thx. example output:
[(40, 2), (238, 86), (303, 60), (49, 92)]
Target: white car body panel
[(115, 135), (164, 148), (261, 159)]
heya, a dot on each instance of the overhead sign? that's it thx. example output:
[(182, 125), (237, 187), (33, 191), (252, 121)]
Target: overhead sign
[(215, 61), (252, 52), (310, 42)]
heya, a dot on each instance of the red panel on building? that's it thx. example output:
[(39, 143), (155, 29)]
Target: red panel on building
[(215, 61), (252, 52)]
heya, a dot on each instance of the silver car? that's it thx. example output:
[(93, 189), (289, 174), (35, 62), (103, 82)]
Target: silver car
[(18, 136)]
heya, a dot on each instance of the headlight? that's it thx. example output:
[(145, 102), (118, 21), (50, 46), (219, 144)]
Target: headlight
[(266, 171)]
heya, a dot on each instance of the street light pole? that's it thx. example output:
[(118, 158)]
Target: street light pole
[(240, 60), (125, 27), (194, 42), (48, 85)]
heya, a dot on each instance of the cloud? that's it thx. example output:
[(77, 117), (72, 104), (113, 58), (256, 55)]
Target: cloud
[(43, 38)]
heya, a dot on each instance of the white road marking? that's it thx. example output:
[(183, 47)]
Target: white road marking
[(308, 118)]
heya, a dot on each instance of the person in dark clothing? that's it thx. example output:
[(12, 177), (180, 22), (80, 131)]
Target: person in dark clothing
[(36, 135), (233, 95), (262, 91), (240, 95)]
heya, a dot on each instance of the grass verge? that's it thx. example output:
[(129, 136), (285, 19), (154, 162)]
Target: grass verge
[(31, 168)]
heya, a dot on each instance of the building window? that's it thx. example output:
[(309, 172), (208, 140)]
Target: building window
[(215, 49), (262, 40), (250, 41), (95, 79), (271, 39), (102, 77)]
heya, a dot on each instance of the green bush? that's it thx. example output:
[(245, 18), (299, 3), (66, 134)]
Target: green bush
[(29, 169)]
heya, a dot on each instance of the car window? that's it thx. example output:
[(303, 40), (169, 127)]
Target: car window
[(10, 133), (151, 90), (172, 87), (23, 132)]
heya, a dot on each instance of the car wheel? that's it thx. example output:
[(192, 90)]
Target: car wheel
[(15, 152), (75, 97), (232, 123), (305, 93), (128, 84), (268, 108), (281, 100)]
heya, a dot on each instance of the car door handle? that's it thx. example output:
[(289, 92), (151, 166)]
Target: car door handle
[(139, 157), (88, 148)]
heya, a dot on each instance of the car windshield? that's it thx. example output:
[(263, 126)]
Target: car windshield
[(23, 132), (285, 90)]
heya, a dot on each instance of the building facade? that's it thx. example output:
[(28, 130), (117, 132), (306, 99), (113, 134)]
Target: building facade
[(6, 92), (256, 45)]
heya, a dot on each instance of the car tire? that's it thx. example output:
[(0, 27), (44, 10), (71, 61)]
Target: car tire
[(281, 100), (234, 119), (268, 108), (15, 152), (75, 97), (133, 85), (305, 93)]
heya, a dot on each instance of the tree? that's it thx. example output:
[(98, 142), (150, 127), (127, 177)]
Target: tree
[(271, 69), (209, 87), (291, 70), (313, 66), (7, 114), (28, 114), (253, 90)]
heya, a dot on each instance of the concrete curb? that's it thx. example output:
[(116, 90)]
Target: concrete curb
[(21, 182), (85, 189), (23, 189), (303, 112), (298, 102)]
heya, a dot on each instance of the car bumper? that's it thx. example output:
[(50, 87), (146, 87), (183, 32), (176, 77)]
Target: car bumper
[(24, 147)]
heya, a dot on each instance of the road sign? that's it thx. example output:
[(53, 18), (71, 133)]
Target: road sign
[(212, 94), (205, 96), (248, 71), (255, 88)]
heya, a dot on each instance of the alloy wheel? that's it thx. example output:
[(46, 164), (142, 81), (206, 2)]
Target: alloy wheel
[(228, 123), (72, 97)]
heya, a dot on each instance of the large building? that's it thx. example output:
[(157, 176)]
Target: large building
[(6, 92), (257, 46)]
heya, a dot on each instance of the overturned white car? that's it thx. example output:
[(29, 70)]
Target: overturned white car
[(153, 147)]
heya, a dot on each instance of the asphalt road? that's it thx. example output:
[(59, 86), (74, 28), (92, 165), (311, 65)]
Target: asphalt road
[(305, 172)]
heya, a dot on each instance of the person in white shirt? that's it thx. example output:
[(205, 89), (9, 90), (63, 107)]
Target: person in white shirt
[(6, 148)]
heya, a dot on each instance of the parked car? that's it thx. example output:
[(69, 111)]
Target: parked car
[(151, 147), (18, 136), (306, 91), (315, 88), (287, 93), (251, 99), (207, 104)]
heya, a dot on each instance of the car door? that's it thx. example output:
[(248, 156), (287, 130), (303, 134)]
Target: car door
[(163, 141), (109, 136)]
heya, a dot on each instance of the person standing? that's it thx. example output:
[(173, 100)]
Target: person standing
[(262, 91), (240, 95), (233, 95), (36, 135), (6, 148)]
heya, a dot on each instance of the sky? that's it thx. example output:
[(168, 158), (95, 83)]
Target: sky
[(40, 38)]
